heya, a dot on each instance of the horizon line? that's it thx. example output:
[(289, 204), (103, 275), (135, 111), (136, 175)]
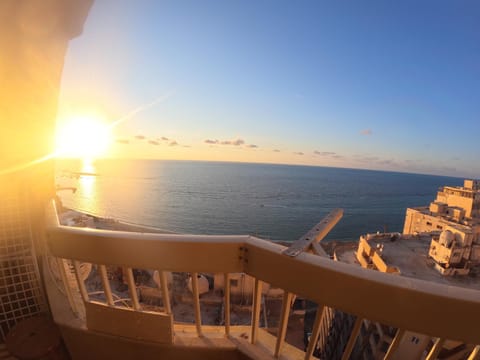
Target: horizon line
[(266, 163)]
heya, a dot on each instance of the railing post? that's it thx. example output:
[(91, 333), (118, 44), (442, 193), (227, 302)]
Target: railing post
[(312, 343), (226, 297), (106, 285), (282, 330), (165, 293), (436, 348), (257, 298), (353, 337), (196, 304), (394, 345), (81, 283), (66, 284), (132, 289)]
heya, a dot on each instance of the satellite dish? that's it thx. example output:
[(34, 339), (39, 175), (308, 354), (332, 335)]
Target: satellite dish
[(202, 284)]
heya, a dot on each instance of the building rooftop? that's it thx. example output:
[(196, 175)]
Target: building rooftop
[(410, 255)]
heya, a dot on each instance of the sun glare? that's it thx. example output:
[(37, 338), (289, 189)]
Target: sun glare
[(85, 137)]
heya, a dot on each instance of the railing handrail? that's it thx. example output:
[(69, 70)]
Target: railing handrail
[(430, 308)]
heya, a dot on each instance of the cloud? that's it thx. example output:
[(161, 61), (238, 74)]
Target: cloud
[(186, 146), (420, 167), (324, 153), (122, 141), (298, 153), (410, 165), (330, 154), (367, 158), (410, 161), (164, 138), (236, 142), (252, 146), (173, 143), (140, 137), (366, 132), (375, 160), (276, 150), (153, 142)]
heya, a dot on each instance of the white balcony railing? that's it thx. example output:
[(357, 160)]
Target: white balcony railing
[(439, 311)]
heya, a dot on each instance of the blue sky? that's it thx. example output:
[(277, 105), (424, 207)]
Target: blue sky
[(365, 84)]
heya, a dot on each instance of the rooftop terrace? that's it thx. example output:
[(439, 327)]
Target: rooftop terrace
[(410, 255)]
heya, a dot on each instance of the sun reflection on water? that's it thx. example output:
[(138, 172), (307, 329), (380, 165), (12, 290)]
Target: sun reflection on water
[(87, 186)]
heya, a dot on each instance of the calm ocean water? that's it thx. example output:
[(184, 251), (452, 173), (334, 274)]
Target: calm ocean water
[(278, 202)]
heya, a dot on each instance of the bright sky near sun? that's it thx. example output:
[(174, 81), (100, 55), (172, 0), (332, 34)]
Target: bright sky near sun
[(364, 84)]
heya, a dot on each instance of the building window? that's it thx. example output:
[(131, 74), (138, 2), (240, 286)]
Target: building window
[(429, 223), (415, 340), (233, 282), (439, 227)]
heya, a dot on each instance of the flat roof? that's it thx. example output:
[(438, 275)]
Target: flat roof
[(410, 255)]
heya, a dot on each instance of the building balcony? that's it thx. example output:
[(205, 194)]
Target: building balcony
[(97, 325)]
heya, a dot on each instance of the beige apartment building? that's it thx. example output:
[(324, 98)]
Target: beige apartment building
[(453, 220), (440, 243)]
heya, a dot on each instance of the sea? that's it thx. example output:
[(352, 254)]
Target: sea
[(276, 202)]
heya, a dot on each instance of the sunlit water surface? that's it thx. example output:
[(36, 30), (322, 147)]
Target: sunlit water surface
[(279, 202)]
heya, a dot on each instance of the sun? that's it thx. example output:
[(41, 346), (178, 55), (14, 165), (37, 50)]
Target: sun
[(85, 137)]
